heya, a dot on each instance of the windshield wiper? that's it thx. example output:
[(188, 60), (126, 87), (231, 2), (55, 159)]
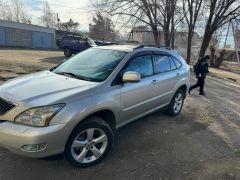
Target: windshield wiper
[(74, 76)]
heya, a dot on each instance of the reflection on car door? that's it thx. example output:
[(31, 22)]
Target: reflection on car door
[(138, 98)]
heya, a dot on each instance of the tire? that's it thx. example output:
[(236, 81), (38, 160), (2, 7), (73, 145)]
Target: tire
[(173, 109), (96, 152), (67, 52)]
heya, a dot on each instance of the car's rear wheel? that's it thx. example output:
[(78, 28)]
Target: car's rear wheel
[(89, 143), (176, 104), (67, 52)]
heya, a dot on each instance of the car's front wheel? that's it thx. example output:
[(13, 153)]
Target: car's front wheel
[(89, 143), (176, 104)]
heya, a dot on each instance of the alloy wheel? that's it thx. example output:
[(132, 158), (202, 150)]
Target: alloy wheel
[(89, 145), (178, 102)]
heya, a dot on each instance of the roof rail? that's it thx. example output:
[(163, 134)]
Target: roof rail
[(157, 46)]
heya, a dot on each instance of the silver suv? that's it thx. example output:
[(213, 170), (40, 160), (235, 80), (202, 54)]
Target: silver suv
[(76, 107)]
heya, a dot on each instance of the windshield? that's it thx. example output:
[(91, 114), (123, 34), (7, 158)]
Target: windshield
[(92, 65)]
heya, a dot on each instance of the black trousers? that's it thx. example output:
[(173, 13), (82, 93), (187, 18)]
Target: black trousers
[(200, 83)]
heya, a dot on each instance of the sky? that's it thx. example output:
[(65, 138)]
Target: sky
[(78, 10)]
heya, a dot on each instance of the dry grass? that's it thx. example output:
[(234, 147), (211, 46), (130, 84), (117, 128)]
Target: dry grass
[(224, 74), (231, 66)]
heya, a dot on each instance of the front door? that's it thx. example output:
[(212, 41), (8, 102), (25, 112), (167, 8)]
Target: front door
[(138, 98)]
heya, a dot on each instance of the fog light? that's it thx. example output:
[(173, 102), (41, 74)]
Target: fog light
[(34, 147)]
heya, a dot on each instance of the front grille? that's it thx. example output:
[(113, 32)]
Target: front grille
[(5, 106)]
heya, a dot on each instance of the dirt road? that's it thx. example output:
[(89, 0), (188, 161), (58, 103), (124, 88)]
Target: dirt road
[(203, 142)]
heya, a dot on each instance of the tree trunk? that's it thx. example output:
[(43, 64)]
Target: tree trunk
[(156, 36), (220, 59), (173, 26), (212, 56), (189, 46), (173, 38), (206, 41), (167, 37)]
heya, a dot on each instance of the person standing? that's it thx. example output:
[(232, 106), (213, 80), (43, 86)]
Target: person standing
[(201, 70)]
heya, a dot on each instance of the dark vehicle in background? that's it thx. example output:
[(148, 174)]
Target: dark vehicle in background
[(71, 44)]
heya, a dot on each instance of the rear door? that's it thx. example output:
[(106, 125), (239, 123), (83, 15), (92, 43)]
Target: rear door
[(167, 77)]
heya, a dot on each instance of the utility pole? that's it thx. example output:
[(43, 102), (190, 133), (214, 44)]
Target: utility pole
[(235, 42), (58, 22)]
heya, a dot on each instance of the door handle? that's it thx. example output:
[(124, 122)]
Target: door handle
[(154, 82), (177, 74)]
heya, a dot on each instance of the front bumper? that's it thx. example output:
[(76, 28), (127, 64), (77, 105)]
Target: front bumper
[(14, 136)]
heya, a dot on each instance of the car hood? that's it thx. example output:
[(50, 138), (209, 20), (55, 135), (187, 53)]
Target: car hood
[(44, 84)]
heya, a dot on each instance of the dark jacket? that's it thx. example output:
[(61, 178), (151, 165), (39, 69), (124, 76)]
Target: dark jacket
[(202, 68)]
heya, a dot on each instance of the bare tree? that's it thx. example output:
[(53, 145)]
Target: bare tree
[(17, 9), (5, 11), (48, 17), (191, 11), (166, 19), (219, 12), (14, 10), (157, 14)]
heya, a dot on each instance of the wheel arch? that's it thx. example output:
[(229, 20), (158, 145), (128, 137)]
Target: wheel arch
[(183, 88), (106, 114)]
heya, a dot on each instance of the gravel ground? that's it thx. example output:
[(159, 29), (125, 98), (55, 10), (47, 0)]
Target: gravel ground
[(201, 143)]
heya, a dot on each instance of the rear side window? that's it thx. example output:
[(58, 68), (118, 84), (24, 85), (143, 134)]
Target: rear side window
[(177, 62), (173, 65), (162, 63), (142, 65)]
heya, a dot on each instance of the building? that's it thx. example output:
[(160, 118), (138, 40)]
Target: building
[(15, 34), (145, 36)]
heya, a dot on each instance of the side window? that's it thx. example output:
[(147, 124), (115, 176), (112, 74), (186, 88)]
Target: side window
[(162, 63), (173, 65), (141, 64), (177, 62)]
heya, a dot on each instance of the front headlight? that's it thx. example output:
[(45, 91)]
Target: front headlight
[(39, 116)]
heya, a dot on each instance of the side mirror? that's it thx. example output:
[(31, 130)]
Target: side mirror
[(131, 77)]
